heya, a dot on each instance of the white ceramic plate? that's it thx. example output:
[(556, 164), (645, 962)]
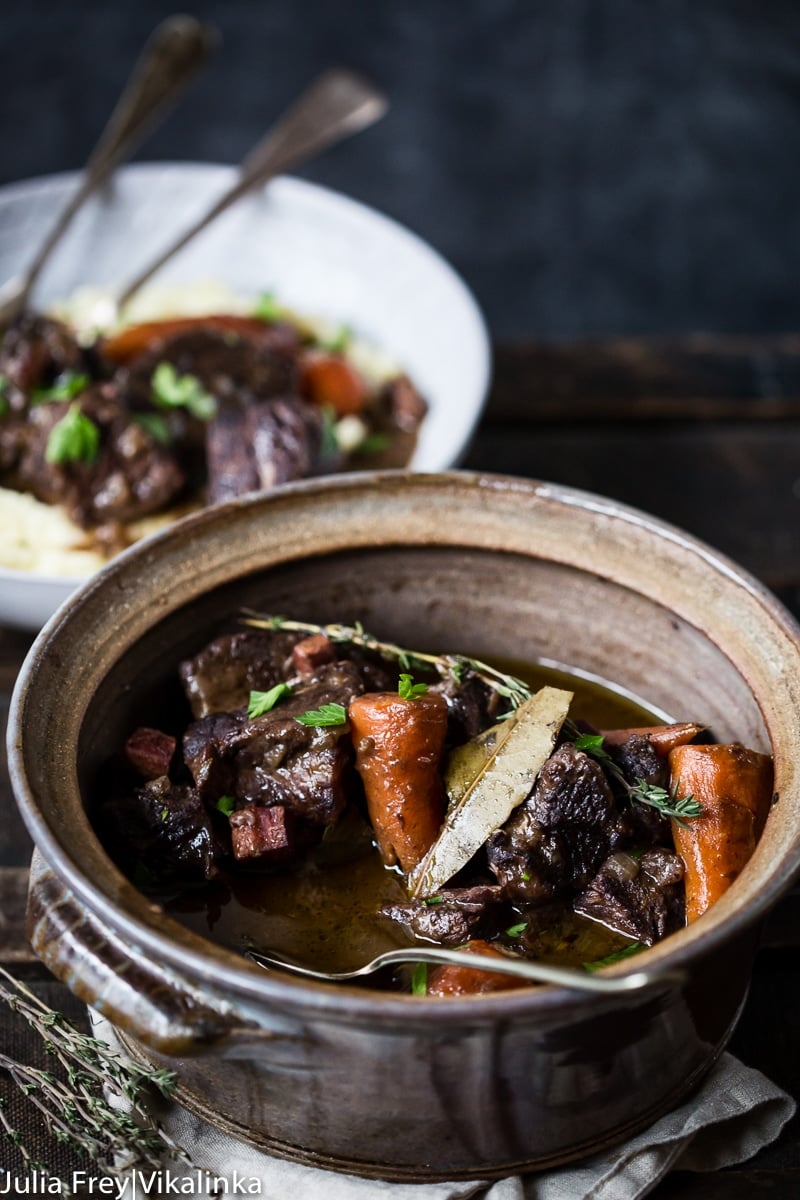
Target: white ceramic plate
[(319, 252)]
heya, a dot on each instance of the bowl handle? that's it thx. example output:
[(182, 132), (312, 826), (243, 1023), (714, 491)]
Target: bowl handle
[(147, 1000)]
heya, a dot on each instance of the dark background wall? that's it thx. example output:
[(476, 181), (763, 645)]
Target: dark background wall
[(590, 166)]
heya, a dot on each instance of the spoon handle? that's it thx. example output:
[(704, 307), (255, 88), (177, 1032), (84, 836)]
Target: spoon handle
[(336, 106), (171, 57)]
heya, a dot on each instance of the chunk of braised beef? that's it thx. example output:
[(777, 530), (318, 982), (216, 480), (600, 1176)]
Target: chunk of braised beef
[(166, 828), (374, 671), (231, 367), (641, 898), (150, 752), (405, 405), (204, 752), (222, 675), (261, 445), (264, 835), (638, 759), (34, 352), (448, 918), (555, 841), (472, 706), (133, 475), (275, 759)]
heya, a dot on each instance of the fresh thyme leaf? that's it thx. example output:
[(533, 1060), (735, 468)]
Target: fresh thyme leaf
[(267, 307), (164, 814), (669, 804), (431, 900), (515, 930), (325, 715), (408, 690), (329, 445), (373, 443), (68, 385), (526, 876), (155, 425), (75, 438), (419, 980), (170, 389), (225, 805), (261, 702), (618, 956)]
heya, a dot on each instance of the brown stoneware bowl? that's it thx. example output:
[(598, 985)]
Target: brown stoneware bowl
[(398, 1086)]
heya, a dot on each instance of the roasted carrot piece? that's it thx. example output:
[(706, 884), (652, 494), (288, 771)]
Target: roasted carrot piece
[(398, 749), (663, 737), (466, 981), (734, 786), (332, 382), (126, 345)]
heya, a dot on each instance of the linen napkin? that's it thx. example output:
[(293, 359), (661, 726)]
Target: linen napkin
[(736, 1112)]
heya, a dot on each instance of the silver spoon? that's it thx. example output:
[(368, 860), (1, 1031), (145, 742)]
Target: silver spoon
[(172, 56), (338, 105), (534, 972)]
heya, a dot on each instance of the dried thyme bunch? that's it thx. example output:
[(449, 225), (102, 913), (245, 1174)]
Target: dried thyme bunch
[(100, 1108)]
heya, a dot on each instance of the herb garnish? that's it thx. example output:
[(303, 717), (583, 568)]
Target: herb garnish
[(669, 804), (4, 401), (155, 425), (173, 390), (419, 980), (225, 805), (515, 930), (429, 901), (408, 690), (165, 814), (373, 443), (68, 385), (618, 956), (448, 666), (325, 715), (340, 340), (75, 438), (261, 702), (329, 443), (267, 308)]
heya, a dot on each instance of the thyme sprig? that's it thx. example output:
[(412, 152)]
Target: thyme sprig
[(668, 803), (100, 1107), (447, 666)]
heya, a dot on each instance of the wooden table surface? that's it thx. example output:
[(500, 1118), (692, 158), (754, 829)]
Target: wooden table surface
[(703, 432)]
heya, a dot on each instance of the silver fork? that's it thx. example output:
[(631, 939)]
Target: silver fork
[(533, 972), (172, 56)]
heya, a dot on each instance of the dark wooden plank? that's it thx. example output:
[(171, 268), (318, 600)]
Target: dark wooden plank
[(735, 486), (697, 378)]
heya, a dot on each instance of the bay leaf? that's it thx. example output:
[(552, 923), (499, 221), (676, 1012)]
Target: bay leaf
[(506, 766)]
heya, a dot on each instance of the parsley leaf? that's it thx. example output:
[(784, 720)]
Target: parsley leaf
[(68, 385), (225, 805), (75, 438), (373, 443), (165, 814), (156, 426), (419, 980), (610, 959), (267, 308), (515, 930), (325, 715), (408, 690), (173, 390), (429, 901), (329, 445), (261, 702)]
